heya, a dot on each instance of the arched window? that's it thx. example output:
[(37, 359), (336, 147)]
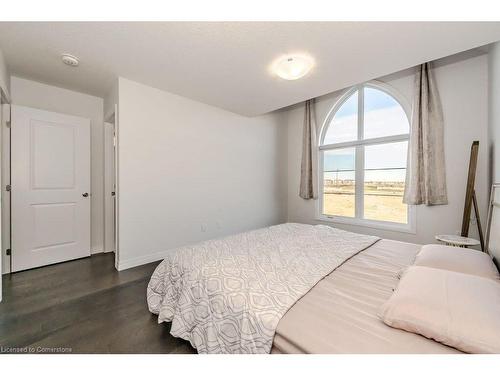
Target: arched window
[(363, 151)]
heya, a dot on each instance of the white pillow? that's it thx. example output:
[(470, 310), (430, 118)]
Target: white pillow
[(457, 259), (456, 309)]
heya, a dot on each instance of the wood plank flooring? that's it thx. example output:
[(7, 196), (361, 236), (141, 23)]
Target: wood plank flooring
[(83, 306)]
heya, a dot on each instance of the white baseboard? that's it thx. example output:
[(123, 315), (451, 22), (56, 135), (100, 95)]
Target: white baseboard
[(139, 261), (96, 250)]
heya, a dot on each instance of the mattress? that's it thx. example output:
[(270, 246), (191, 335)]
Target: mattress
[(339, 315)]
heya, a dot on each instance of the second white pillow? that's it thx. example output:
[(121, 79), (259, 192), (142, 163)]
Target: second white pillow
[(456, 309), (457, 259)]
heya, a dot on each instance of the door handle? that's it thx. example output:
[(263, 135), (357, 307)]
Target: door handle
[(85, 195)]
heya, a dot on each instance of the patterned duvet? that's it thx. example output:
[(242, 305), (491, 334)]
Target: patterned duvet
[(228, 295)]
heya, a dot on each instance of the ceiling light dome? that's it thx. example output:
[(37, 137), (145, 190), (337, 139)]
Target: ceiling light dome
[(291, 67)]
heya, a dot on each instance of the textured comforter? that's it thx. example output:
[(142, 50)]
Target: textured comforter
[(228, 295)]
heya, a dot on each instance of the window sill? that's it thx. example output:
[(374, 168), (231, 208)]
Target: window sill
[(381, 225)]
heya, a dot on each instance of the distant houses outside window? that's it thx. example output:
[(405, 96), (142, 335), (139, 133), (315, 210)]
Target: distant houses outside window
[(363, 151)]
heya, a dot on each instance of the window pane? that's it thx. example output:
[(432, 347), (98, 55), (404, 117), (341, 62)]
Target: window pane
[(383, 115), (339, 182), (344, 125), (385, 170), (387, 155)]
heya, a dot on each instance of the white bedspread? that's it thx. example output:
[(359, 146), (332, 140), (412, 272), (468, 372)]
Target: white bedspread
[(228, 295)]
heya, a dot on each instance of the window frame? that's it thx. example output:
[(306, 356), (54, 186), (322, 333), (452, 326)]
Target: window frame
[(359, 145)]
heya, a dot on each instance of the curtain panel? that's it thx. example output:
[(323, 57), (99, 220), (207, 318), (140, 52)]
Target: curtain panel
[(309, 164), (425, 173)]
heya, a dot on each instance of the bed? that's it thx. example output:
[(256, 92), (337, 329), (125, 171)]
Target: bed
[(290, 288)]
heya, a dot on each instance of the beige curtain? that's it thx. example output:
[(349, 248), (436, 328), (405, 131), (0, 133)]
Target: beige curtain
[(309, 165), (426, 174)]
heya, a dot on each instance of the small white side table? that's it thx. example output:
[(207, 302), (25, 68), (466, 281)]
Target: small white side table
[(457, 241)]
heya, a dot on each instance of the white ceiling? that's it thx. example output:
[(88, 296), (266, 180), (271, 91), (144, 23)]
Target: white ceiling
[(226, 64)]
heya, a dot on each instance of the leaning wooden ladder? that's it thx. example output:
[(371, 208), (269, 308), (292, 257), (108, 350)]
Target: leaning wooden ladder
[(470, 197)]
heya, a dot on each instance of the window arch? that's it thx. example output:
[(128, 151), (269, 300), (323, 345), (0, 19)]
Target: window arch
[(362, 153)]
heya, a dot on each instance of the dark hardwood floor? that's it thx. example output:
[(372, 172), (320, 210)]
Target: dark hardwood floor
[(84, 305)]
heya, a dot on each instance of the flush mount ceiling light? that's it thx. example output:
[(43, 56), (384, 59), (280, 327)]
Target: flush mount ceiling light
[(69, 59), (291, 67)]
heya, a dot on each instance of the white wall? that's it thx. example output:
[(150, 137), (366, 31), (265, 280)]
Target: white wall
[(51, 98), (494, 110), (110, 100), (4, 75), (494, 116), (463, 83), (189, 171)]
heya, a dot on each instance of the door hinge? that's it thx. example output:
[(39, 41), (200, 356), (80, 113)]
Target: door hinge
[(7, 123), (8, 187), (8, 251)]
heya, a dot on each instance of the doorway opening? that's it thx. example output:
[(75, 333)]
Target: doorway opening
[(111, 185)]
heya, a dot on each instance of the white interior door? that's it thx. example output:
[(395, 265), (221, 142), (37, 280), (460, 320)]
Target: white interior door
[(50, 187), (117, 190), (109, 187)]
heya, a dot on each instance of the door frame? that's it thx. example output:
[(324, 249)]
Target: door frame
[(4, 140), (5, 195)]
